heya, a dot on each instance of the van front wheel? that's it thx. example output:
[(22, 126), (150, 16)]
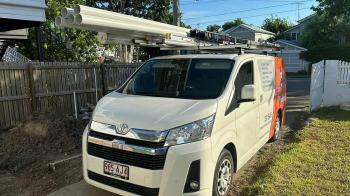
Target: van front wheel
[(223, 174)]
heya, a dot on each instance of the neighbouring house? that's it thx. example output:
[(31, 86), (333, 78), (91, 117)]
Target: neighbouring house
[(250, 32), (292, 47), (293, 34), (16, 16), (291, 56)]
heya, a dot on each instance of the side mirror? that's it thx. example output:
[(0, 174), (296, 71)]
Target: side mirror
[(247, 93)]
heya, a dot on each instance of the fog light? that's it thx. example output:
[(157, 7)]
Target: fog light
[(193, 178), (194, 185)]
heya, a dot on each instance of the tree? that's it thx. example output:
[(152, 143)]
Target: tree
[(213, 28), (334, 9), (331, 25), (317, 33), (321, 32), (235, 23), (61, 44), (277, 26)]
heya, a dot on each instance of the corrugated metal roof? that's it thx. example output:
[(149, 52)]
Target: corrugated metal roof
[(29, 10)]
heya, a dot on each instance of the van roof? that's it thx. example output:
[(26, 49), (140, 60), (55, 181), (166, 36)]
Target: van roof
[(206, 56), (211, 56)]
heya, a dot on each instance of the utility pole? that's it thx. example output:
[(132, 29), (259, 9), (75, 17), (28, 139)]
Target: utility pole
[(176, 13), (39, 42), (298, 4), (176, 18)]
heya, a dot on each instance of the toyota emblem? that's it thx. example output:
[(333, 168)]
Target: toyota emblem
[(122, 129)]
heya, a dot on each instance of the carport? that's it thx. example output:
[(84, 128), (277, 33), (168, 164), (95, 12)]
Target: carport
[(16, 16)]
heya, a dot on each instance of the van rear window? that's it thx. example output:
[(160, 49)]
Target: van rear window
[(181, 78)]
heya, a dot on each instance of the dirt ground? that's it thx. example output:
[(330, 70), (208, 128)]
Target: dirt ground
[(26, 151)]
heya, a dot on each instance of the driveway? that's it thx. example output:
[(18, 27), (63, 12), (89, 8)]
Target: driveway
[(297, 103)]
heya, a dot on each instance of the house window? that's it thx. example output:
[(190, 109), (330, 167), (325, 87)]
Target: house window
[(294, 36)]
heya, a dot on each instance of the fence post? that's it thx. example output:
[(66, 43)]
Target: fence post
[(29, 69), (104, 90)]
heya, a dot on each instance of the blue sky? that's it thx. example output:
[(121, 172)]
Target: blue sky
[(205, 12)]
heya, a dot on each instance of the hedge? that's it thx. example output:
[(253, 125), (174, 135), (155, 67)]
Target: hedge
[(320, 53)]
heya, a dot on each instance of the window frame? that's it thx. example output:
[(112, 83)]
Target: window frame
[(233, 102), (233, 63)]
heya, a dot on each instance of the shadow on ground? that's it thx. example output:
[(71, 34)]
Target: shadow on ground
[(296, 118)]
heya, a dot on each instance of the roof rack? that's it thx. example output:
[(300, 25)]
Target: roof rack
[(205, 41), (116, 28)]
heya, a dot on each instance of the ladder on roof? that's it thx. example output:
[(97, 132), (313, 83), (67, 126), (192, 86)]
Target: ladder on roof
[(209, 42)]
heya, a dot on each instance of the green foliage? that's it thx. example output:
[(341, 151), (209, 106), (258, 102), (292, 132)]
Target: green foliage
[(213, 28), (326, 52), (330, 27), (230, 24), (61, 44), (277, 26), (334, 9), (317, 32)]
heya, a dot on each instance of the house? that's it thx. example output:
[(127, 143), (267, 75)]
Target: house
[(292, 46), (291, 56), (16, 16), (250, 32), (293, 34)]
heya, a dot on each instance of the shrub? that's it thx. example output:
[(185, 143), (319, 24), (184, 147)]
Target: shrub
[(320, 53)]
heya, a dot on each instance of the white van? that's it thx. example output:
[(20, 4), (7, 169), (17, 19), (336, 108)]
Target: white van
[(182, 125)]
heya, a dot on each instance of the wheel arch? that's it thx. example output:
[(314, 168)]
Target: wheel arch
[(232, 149), (280, 114)]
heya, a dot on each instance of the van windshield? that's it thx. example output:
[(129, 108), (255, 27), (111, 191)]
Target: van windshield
[(181, 78)]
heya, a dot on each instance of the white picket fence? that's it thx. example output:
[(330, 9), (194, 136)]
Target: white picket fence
[(330, 84)]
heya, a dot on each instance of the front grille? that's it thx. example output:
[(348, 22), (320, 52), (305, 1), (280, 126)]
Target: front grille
[(125, 186), (154, 162), (127, 140)]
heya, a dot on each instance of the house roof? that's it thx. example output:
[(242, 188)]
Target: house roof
[(249, 27), (306, 18), (300, 21), (19, 14), (289, 43)]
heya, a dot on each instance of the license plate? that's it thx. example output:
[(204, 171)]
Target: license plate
[(116, 170)]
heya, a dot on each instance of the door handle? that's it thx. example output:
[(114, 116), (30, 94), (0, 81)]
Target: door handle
[(261, 98)]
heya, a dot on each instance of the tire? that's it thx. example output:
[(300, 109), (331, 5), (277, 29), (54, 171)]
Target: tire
[(223, 174), (277, 129)]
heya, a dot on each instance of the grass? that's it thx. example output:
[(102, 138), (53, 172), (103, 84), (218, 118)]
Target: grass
[(316, 163)]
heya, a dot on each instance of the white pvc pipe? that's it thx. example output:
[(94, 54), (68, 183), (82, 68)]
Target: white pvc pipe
[(104, 38), (85, 10), (66, 11), (104, 24), (64, 22)]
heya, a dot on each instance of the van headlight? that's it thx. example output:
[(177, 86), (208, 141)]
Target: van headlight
[(191, 132)]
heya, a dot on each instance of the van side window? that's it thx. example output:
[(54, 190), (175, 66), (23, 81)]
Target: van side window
[(244, 77)]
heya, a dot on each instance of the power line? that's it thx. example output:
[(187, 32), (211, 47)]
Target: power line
[(196, 2), (215, 21), (239, 11), (201, 2)]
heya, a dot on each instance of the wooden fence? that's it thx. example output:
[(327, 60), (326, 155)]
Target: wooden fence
[(50, 87)]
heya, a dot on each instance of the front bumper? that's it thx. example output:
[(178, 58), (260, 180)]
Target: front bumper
[(168, 181)]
